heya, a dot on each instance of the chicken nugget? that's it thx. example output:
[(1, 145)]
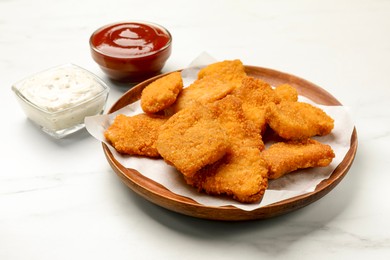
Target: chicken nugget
[(255, 95), (241, 131), (192, 139), (229, 71), (162, 93), (285, 157), (135, 135), (241, 175), (256, 92), (204, 90), (214, 82), (298, 120), (286, 92)]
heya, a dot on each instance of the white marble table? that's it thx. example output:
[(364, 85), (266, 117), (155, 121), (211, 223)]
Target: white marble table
[(59, 199)]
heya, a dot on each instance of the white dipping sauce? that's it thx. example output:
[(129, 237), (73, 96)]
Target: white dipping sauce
[(62, 97), (60, 89)]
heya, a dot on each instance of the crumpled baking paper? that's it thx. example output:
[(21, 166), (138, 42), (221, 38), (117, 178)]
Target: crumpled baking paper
[(290, 185)]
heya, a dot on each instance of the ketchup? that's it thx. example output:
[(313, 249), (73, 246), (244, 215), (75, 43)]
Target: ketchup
[(130, 39)]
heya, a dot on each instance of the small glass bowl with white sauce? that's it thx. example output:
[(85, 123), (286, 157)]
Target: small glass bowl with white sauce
[(58, 99)]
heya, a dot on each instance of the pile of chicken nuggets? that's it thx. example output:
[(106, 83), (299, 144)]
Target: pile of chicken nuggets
[(213, 131)]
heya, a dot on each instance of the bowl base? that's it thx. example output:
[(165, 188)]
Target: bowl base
[(58, 134)]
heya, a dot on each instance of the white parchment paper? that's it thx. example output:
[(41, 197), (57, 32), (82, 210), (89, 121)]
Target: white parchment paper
[(291, 185)]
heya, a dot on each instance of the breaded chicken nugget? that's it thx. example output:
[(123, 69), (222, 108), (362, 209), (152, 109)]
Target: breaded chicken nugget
[(229, 70), (204, 90), (298, 120), (284, 158), (162, 93), (256, 92), (241, 174), (255, 95), (286, 92), (241, 131), (214, 82), (192, 139), (135, 135)]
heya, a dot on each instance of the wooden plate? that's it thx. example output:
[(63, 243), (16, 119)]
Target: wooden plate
[(159, 195)]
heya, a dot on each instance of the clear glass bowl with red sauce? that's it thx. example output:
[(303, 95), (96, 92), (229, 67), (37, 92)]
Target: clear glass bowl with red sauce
[(131, 51)]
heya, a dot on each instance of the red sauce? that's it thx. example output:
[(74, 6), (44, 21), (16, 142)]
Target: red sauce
[(130, 39)]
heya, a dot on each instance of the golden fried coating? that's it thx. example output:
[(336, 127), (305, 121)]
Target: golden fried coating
[(214, 82), (241, 131), (285, 157), (135, 135), (256, 92), (192, 139), (162, 93), (286, 92), (205, 90), (255, 95), (228, 71), (241, 174), (298, 120), (214, 129)]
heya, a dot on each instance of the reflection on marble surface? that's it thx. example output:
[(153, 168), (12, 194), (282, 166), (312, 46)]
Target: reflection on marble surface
[(59, 199)]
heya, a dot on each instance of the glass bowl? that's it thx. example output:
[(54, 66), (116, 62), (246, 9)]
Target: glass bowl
[(58, 99)]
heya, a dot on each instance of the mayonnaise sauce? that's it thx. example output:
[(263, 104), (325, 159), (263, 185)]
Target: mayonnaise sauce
[(59, 99), (59, 89)]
